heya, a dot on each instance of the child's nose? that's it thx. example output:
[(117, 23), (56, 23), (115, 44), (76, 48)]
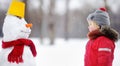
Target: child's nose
[(28, 25)]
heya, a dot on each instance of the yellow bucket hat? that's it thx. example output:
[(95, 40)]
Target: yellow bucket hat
[(16, 8)]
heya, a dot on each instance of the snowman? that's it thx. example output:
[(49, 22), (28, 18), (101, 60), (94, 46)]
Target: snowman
[(17, 49)]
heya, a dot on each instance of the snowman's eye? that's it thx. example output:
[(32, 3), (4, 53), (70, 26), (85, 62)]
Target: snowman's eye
[(18, 17)]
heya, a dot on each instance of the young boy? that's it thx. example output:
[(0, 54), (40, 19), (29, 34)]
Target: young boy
[(101, 44)]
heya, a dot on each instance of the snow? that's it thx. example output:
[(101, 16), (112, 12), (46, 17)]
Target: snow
[(65, 53)]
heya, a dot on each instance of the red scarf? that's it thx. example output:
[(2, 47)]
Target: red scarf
[(16, 54)]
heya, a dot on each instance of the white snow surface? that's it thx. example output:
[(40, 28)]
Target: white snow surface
[(65, 53)]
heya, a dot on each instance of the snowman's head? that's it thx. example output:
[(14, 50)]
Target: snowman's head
[(15, 28)]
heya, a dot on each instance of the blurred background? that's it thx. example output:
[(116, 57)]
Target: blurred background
[(62, 18), (61, 22)]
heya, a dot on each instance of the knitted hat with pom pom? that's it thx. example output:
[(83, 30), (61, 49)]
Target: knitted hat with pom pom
[(100, 16)]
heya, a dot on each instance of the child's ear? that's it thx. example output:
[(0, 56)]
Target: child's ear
[(99, 26), (103, 28)]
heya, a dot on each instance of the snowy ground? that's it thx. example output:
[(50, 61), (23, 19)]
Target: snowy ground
[(65, 53)]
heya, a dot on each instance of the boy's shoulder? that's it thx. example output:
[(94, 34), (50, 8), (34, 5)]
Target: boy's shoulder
[(103, 38), (103, 41)]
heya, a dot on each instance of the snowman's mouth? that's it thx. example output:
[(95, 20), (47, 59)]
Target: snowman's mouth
[(25, 32)]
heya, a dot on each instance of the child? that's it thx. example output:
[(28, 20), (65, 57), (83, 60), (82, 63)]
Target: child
[(101, 44)]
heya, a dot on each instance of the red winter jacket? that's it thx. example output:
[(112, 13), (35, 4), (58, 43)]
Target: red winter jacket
[(99, 52)]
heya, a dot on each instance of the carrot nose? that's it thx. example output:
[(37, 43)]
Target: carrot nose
[(29, 25)]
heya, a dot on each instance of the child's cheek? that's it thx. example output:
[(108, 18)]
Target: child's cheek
[(91, 28)]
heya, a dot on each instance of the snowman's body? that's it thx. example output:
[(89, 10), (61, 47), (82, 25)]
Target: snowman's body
[(13, 29)]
